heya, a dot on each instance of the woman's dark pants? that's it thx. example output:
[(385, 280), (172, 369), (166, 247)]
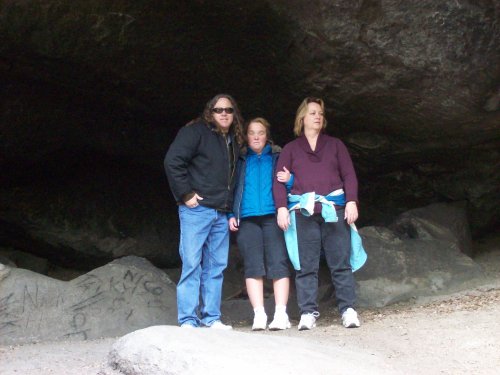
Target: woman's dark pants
[(313, 234)]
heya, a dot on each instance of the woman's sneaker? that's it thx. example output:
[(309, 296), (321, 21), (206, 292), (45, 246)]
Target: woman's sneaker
[(308, 321), (259, 322), (280, 322), (350, 318)]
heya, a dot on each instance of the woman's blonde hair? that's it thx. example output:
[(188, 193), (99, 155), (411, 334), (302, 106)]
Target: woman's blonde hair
[(298, 127)]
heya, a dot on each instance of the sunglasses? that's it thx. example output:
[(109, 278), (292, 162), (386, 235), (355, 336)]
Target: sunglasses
[(228, 110)]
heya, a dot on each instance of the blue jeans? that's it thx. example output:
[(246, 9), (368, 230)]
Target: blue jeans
[(204, 249)]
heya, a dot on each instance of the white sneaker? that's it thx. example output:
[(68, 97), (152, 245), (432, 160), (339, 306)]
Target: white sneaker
[(220, 326), (259, 322), (280, 322), (350, 318), (308, 321), (187, 325)]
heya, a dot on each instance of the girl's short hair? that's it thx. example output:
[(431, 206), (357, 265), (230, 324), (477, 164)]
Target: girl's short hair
[(264, 123)]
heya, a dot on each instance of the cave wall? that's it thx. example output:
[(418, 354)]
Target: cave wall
[(93, 92)]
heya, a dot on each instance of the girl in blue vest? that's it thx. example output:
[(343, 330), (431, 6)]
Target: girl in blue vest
[(260, 240)]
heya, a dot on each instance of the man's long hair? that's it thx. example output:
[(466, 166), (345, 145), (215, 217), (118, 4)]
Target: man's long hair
[(237, 124)]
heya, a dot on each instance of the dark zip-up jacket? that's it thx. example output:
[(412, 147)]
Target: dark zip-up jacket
[(199, 161)]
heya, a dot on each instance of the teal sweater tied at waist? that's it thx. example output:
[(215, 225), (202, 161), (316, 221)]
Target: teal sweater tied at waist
[(305, 205)]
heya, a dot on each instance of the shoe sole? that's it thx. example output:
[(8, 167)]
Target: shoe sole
[(227, 328), (304, 328), (258, 329), (280, 328)]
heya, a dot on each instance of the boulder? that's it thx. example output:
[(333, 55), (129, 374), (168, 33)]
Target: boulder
[(164, 350), (439, 221), (120, 297), (400, 267)]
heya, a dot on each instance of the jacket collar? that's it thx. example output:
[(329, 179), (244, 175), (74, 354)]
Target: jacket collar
[(304, 143), (269, 148), (215, 129), (266, 150)]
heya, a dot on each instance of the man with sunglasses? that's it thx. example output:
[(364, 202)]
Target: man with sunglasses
[(200, 165)]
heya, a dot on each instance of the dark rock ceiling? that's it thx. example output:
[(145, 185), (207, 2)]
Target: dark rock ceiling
[(92, 92)]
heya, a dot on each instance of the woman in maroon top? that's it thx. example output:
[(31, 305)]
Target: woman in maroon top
[(320, 164)]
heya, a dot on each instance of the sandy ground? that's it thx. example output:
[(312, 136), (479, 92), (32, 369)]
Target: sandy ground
[(452, 334)]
